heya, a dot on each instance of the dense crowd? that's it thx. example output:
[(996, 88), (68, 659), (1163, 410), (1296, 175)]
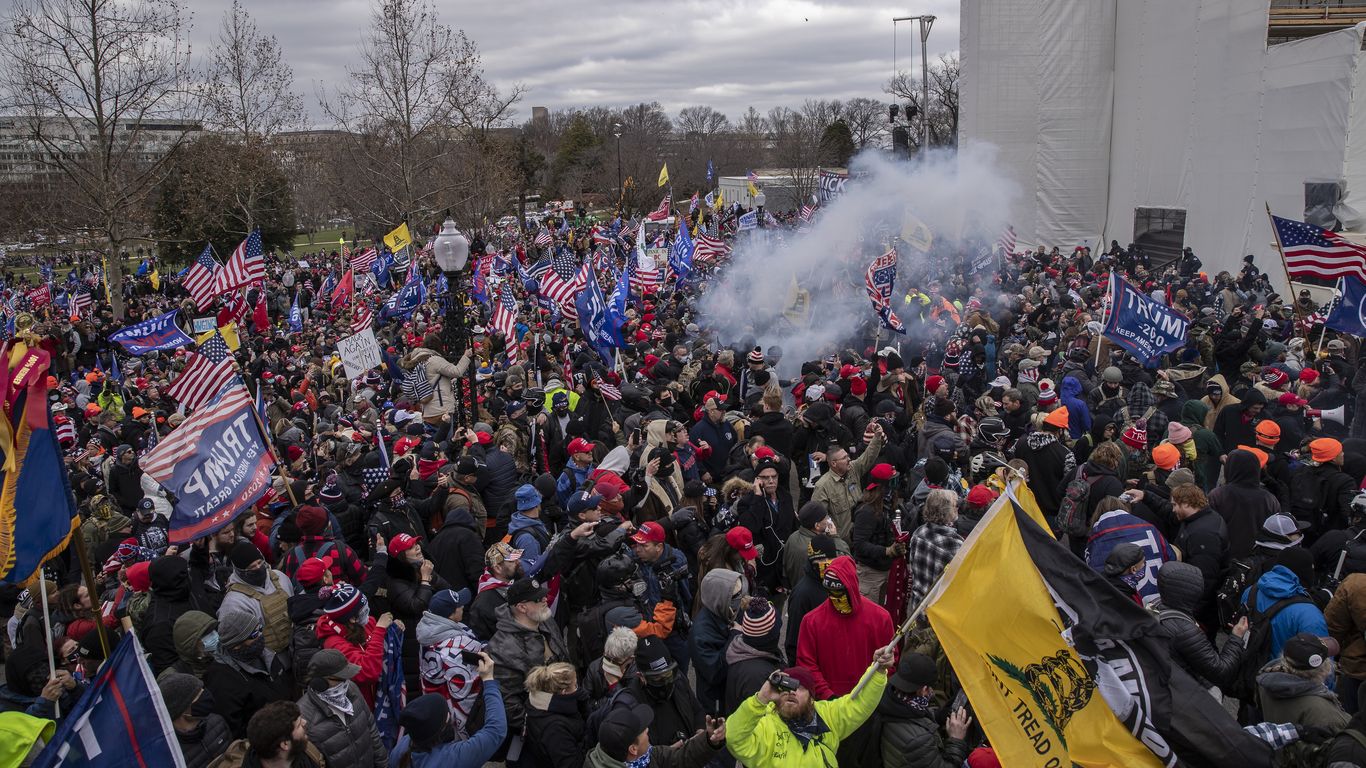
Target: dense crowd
[(690, 555)]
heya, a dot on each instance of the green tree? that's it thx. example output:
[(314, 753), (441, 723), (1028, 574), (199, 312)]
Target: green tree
[(837, 144), (575, 158), (217, 190)]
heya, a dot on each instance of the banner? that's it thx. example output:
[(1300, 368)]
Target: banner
[(215, 463), (158, 333), (1146, 328), (120, 720), (831, 184), (1349, 314), (399, 238), (748, 221), (359, 353)]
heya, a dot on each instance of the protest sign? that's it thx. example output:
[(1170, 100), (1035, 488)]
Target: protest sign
[(359, 353)]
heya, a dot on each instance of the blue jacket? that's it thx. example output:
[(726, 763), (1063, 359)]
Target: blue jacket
[(571, 479), (721, 438), (470, 753), (529, 534), (1078, 415), (669, 560), (1277, 584), (1118, 527)]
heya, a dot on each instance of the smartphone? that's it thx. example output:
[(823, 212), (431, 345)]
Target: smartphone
[(960, 700), (472, 658)]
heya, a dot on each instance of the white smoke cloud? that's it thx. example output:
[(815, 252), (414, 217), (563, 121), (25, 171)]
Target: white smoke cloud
[(962, 198)]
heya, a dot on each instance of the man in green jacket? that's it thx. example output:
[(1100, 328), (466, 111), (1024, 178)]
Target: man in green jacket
[(841, 489)]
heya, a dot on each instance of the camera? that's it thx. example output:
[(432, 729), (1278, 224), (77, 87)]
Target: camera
[(782, 682)]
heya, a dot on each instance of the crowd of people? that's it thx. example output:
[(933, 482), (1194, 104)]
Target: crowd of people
[(692, 554)]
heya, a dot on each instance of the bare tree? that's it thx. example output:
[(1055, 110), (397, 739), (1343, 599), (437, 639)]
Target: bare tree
[(103, 87), (906, 88), (248, 87), (752, 123), (797, 145), (417, 93), (867, 120), (702, 121)]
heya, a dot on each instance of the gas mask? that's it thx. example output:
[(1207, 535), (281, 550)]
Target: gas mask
[(660, 687), (839, 595)]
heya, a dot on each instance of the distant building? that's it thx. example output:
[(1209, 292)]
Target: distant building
[(22, 155), (781, 187)]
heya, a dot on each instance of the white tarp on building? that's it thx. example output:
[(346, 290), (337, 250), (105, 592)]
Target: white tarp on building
[(1100, 108)]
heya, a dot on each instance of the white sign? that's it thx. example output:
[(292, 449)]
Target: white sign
[(359, 353), (205, 324)]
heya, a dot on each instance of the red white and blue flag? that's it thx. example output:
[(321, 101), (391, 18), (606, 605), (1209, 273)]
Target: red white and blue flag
[(709, 247), (201, 278), (201, 381), (246, 266), (1313, 252), (504, 319), (880, 281), (662, 212)]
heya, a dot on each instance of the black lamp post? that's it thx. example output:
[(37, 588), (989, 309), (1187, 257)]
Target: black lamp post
[(621, 193), (452, 252)]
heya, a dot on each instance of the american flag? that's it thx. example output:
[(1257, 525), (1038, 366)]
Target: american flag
[(643, 273), (807, 212), (543, 239), (364, 259), (183, 442), (601, 237), (504, 318), (1321, 316), (1313, 252), (364, 318), (752, 177), (662, 212), (247, 265), (693, 203), (563, 280), (80, 302), (1006, 241), (200, 280), (608, 390), (709, 247), (878, 281), (201, 380), (215, 348)]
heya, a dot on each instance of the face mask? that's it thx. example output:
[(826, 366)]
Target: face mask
[(363, 615), (735, 601), (255, 577), (840, 601), (660, 687), (249, 650), (1132, 579), (210, 642)]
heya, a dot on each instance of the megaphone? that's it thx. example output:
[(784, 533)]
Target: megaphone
[(1337, 414)]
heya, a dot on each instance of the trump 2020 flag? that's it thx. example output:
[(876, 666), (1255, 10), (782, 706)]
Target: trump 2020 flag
[(592, 311), (391, 697), (296, 318), (121, 719), (215, 463), (158, 333), (1349, 313), (37, 510), (1146, 328)]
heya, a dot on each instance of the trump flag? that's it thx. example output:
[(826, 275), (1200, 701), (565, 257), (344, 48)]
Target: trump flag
[(1146, 328)]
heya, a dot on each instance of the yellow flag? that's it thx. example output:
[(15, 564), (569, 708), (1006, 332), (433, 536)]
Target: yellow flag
[(916, 232), (753, 190), (664, 175), (155, 277), (230, 337), (398, 239), (720, 199), (1032, 693)]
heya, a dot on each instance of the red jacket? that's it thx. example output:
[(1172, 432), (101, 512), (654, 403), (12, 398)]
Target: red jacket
[(370, 658), (838, 647)]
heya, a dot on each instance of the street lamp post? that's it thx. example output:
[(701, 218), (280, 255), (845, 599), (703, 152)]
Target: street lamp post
[(759, 201), (452, 252), (621, 193), (926, 21)]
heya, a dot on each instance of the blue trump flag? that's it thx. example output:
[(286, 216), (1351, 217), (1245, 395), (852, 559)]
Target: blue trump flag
[(391, 696), (296, 317), (405, 299), (121, 719), (37, 510), (616, 308), (1146, 328), (158, 333), (680, 255), (593, 318), (1349, 314)]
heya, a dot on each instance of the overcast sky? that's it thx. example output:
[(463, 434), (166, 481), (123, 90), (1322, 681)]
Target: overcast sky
[(619, 52)]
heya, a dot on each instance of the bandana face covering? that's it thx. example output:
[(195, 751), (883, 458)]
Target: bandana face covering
[(839, 595)]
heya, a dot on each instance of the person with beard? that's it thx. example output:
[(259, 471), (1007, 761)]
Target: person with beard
[(502, 566), (276, 737), (753, 653), (429, 737), (151, 529), (340, 723), (347, 626), (769, 516), (412, 581), (258, 589), (556, 709), (172, 596), (527, 637), (196, 639), (841, 631), (202, 733), (909, 730), (446, 642), (244, 675), (798, 731)]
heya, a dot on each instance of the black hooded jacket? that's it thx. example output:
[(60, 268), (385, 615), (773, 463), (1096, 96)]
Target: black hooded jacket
[(172, 596), (1243, 502), (1232, 429)]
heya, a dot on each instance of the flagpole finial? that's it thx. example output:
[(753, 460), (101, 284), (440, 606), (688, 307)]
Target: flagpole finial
[(23, 328)]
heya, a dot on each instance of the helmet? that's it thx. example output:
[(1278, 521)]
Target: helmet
[(1359, 505), (985, 463), (615, 572), (992, 430)]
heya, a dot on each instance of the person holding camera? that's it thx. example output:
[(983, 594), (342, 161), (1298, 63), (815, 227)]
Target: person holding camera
[(784, 725), (910, 732)]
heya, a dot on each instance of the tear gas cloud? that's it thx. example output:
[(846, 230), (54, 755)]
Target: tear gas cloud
[(961, 197)]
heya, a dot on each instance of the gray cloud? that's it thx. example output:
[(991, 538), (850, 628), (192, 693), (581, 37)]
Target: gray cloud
[(618, 52)]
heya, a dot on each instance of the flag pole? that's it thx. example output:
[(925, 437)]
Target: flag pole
[(89, 575), (47, 641), (1289, 285), (1323, 332), (1104, 317), (280, 468)]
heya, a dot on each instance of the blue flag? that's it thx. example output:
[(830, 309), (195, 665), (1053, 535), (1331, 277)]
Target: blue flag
[(143, 268), (680, 255), (390, 698), (114, 372), (748, 221), (296, 316), (593, 318), (616, 308), (405, 299), (158, 333), (382, 265), (1349, 314), (121, 719), (711, 172), (1146, 328)]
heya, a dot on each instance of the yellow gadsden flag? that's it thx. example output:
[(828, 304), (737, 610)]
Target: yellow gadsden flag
[(664, 175), (1032, 693), (399, 239)]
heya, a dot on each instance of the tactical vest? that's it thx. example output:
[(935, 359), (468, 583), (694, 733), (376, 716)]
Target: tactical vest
[(274, 612)]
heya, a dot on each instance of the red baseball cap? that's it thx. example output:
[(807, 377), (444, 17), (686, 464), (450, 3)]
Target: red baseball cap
[(741, 540), (1290, 398), (311, 570), (980, 495), (649, 533), (401, 543), (579, 445), (764, 452)]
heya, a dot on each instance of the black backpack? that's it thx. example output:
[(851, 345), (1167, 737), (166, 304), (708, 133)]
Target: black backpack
[(303, 643), (1072, 517), (1228, 599), (1306, 494), (1244, 685)]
